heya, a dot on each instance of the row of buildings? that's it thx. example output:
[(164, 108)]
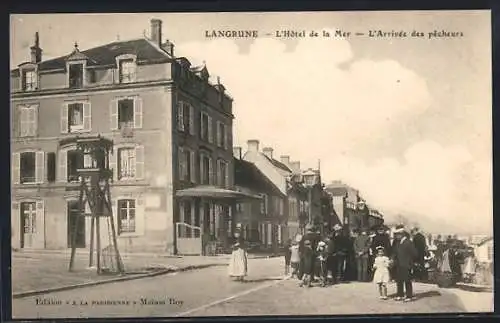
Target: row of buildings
[(177, 179)]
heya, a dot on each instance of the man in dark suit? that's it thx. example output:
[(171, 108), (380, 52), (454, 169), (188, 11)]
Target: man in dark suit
[(340, 245), (313, 239), (404, 257), (421, 248)]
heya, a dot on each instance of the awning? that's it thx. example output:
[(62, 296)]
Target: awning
[(213, 192)]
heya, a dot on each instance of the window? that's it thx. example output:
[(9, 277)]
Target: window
[(75, 162), (75, 76), (28, 217), (205, 170), (490, 252), (76, 117), (28, 120), (126, 216), (222, 173), (206, 127), (263, 204), (51, 167), (221, 135), (127, 71), (126, 162), (29, 80), (185, 117), (28, 167), (187, 165), (125, 113)]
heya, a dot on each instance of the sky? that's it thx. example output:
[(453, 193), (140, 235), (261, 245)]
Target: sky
[(407, 121)]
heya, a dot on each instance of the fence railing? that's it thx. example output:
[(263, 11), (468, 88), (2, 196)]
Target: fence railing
[(185, 230)]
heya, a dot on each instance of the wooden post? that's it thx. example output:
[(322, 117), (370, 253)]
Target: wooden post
[(119, 264), (92, 229)]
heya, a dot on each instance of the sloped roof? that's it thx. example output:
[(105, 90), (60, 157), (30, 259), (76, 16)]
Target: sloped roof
[(278, 164), (484, 241), (336, 190), (246, 174), (144, 49)]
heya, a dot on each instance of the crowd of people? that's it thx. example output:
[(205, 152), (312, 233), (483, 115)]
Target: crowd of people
[(380, 255)]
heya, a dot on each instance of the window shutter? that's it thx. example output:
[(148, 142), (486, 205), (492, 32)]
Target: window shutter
[(210, 171), (34, 121), (191, 120), (226, 136), (138, 113), (40, 169), (202, 172), (139, 216), (219, 134), (64, 118), (113, 113), (202, 126), (15, 223), (40, 225), (139, 162), (23, 121), (87, 116), (210, 130), (180, 116), (16, 168), (193, 166), (226, 175), (181, 161), (63, 166), (112, 163)]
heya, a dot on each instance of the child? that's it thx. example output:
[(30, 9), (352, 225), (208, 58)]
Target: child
[(295, 258), (307, 264), (322, 256), (288, 253), (381, 276)]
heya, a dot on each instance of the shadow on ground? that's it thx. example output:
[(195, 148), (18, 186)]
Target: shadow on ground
[(260, 280), (476, 289), (417, 296)]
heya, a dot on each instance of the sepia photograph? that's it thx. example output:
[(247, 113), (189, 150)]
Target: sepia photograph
[(251, 163)]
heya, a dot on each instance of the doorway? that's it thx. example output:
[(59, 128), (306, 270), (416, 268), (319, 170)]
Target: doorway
[(28, 224), (75, 219)]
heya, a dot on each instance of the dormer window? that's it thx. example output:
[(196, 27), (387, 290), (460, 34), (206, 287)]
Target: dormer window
[(76, 76), (127, 70), (30, 80)]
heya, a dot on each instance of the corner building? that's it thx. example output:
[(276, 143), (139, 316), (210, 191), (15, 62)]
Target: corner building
[(171, 128)]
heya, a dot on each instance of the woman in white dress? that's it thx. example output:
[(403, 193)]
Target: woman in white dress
[(237, 269)]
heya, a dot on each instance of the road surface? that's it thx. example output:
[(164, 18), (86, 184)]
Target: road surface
[(209, 292)]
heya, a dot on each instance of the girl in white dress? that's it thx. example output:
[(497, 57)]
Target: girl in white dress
[(381, 276), (237, 268)]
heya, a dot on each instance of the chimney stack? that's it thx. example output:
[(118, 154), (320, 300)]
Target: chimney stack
[(285, 159), (168, 47), (295, 166), (156, 31), (253, 145), (36, 51), (268, 151), (237, 152)]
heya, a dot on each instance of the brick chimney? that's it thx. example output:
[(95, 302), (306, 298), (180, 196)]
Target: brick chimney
[(295, 166), (156, 31), (268, 151), (285, 159), (36, 51), (253, 145), (237, 152)]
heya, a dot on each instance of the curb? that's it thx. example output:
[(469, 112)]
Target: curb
[(112, 280)]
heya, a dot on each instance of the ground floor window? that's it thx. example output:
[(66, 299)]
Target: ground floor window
[(126, 216), (28, 217)]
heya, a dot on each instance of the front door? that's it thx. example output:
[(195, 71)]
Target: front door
[(28, 224), (75, 219)]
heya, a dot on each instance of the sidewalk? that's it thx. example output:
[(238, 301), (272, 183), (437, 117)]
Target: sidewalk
[(37, 271)]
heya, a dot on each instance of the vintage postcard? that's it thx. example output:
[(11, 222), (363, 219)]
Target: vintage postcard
[(238, 164)]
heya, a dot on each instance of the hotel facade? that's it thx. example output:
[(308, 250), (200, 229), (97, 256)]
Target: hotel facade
[(171, 128)]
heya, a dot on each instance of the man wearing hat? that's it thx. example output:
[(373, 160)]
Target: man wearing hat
[(404, 257), (421, 247), (339, 249), (313, 239)]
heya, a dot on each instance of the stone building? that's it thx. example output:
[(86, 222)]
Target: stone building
[(171, 128)]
